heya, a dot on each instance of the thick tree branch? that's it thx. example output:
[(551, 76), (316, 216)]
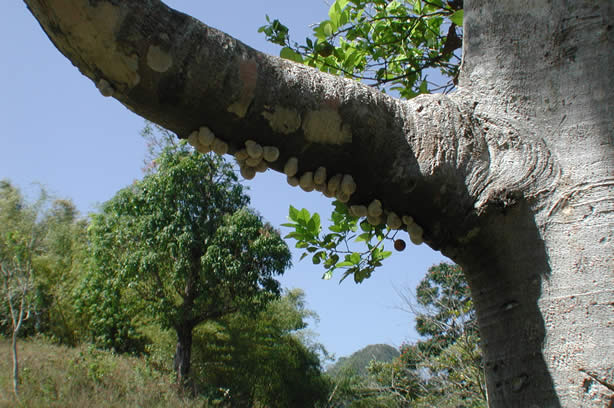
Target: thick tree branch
[(429, 158)]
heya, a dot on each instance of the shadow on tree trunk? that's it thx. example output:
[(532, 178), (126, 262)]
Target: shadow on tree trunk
[(505, 266), (183, 355)]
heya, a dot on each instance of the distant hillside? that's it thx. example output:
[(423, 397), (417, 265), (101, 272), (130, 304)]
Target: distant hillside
[(359, 360)]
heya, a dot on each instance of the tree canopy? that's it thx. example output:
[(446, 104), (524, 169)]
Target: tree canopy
[(444, 368), (387, 44), (186, 248)]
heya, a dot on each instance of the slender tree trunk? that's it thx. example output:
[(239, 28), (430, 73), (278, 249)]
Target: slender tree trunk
[(17, 318), (17, 322), (15, 364), (183, 354)]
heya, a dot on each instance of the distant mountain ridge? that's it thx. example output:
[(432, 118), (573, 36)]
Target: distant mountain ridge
[(359, 360)]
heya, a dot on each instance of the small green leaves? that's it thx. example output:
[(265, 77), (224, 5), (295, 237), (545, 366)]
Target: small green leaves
[(275, 32), (387, 44), (338, 16), (289, 54), (327, 249)]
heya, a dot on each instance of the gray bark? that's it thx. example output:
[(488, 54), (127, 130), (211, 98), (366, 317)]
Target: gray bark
[(511, 176)]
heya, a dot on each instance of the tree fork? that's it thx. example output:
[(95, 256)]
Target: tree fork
[(175, 71)]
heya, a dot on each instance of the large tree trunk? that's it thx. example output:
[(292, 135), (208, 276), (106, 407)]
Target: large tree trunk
[(511, 176), (183, 354), (542, 269)]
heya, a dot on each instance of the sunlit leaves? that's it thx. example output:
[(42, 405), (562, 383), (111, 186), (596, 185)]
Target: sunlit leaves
[(457, 18), (181, 245), (289, 53), (335, 249), (387, 44)]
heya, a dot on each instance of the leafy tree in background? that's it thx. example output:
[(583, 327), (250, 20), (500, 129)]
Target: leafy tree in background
[(451, 351), (443, 308), (445, 367), (60, 267), (264, 360), (181, 246), (21, 235)]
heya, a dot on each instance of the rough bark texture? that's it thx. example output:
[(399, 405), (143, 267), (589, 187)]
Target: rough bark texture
[(511, 176), (544, 289)]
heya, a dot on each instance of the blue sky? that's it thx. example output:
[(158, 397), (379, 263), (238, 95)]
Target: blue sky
[(59, 131)]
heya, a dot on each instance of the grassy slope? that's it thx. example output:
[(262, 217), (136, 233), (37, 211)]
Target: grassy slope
[(56, 376)]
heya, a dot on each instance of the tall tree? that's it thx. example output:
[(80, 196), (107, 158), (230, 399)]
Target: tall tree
[(445, 366), (21, 235), (443, 308), (59, 271), (182, 244), (264, 360), (510, 175)]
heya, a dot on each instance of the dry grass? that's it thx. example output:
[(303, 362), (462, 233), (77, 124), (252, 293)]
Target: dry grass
[(56, 376)]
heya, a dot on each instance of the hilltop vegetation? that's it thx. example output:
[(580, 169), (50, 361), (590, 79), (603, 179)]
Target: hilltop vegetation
[(359, 361)]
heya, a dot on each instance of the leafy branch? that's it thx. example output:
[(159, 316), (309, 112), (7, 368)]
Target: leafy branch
[(334, 250), (387, 44)]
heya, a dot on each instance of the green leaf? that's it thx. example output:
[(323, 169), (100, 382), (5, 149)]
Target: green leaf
[(304, 216), (328, 275), (334, 12), (342, 3), (457, 18), (327, 28), (366, 227), (289, 54), (293, 213), (424, 87), (364, 237), (295, 235), (317, 257), (316, 220)]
